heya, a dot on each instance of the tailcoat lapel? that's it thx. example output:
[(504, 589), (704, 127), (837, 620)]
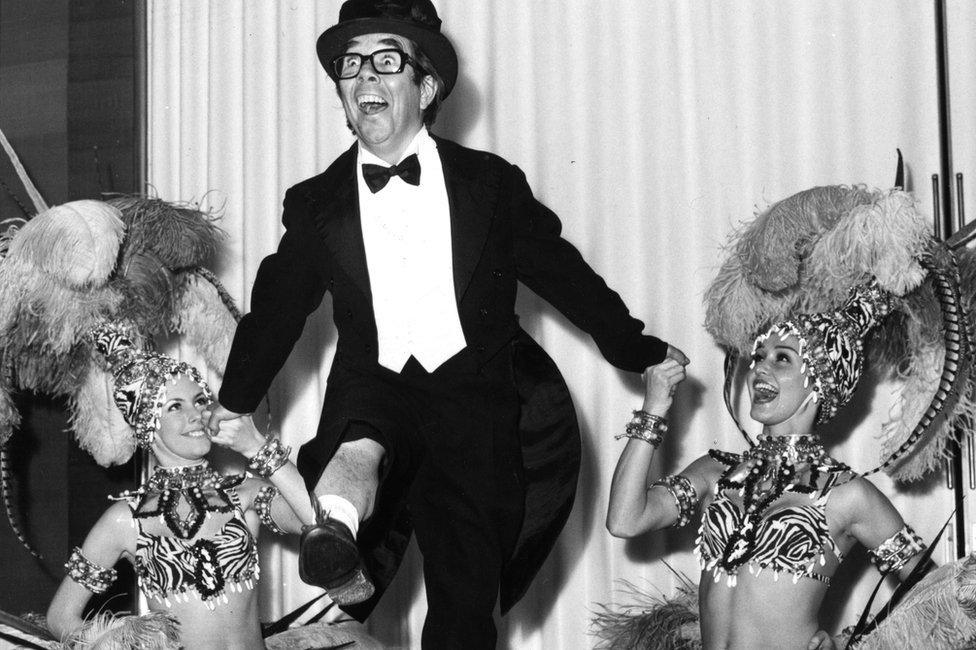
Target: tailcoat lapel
[(338, 221), (472, 191)]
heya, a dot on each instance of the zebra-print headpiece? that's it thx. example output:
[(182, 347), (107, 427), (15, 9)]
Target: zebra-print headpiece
[(831, 344), (139, 378)]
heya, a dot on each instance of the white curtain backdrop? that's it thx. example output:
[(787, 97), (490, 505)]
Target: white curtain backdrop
[(652, 128)]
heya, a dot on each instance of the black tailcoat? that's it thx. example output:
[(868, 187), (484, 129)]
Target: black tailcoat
[(500, 235)]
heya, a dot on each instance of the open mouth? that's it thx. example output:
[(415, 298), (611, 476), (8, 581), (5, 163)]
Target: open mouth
[(197, 433), (763, 391), (371, 104)]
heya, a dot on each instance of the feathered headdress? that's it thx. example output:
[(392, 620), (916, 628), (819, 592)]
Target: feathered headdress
[(74, 267), (804, 254), (139, 378)]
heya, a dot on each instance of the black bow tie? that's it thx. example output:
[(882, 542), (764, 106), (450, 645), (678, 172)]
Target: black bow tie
[(377, 176)]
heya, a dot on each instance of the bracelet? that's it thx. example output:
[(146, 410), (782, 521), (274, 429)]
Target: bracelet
[(262, 504), (684, 494), (89, 575), (895, 552), (646, 427), (271, 457)]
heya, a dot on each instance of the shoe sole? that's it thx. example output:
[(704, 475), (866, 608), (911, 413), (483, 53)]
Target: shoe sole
[(333, 564)]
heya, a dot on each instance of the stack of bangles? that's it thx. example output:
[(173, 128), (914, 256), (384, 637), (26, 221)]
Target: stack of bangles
[(271, 457), (646, 427)]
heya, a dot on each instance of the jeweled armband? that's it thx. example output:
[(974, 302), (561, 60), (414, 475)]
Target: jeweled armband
[(89, 575), (271, 457), (684, 494), (262, 504), (646, 427), (893, 553)]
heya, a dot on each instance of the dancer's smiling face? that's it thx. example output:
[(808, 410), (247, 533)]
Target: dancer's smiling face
[(182, 435), (777, 385)]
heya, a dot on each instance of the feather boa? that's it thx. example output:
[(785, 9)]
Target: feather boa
[(651, 622)]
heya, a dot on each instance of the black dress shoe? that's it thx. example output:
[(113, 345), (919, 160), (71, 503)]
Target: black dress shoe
[(329, 558)]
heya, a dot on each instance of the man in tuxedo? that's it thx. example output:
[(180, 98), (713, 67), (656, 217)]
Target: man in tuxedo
[(441, 416)]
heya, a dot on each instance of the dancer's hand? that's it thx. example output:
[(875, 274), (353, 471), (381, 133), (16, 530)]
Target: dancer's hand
[(821, 641), (659, 383), (219, 414), (241, 435)]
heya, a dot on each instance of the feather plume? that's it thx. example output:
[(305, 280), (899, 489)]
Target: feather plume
[(737, 309), (52, 295), (804, 254), (153, 631), (87, 236), (43, 324), (178, 235), (150, 293), (883, 239), (205, 320), (651, 622), (939, 612), (97, 421), (772, 249)]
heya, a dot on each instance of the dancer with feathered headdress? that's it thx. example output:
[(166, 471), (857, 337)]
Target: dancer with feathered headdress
[(190, 531), (806, 289)]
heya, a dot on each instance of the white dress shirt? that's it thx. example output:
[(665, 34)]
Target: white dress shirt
[(407, 234)]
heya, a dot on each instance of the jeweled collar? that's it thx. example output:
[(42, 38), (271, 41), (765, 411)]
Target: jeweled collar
[(183, 477), (202, 488), (775, 465), (793, 449)]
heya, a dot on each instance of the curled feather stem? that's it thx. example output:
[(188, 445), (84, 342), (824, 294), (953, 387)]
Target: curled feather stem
[(225, 296), (8, 506)]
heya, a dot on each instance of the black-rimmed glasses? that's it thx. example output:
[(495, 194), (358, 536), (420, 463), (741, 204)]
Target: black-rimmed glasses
[(386, 61)]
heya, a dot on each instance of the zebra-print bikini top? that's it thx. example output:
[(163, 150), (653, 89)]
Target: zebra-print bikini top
[(792, 539), (178, 566)]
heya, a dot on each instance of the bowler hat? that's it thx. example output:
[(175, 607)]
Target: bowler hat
[(413, 19)]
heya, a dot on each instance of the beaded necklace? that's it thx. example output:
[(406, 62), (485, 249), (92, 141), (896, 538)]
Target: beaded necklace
[(778, 463), (186, 484)]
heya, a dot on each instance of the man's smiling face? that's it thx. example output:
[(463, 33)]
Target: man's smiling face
[(385, 110)]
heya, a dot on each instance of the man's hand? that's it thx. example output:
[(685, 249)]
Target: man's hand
[(677, 355), (217, 415), (241, 435)]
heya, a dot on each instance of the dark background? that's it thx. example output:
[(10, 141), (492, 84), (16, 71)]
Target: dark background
[(68, 94)]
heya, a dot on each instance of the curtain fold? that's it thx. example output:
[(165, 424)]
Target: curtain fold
[(652, 128)]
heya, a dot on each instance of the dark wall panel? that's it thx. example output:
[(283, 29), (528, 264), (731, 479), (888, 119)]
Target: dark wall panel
[(67, 97)]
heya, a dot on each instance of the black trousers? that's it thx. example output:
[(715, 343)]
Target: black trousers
[(453, 466)]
